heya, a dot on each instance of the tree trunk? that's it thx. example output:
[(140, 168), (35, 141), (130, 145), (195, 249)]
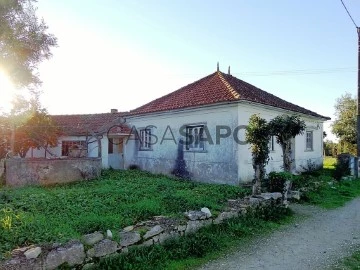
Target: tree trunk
[(257, 186), (286, 156)]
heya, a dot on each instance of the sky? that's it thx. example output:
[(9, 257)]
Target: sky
[(123, 54)]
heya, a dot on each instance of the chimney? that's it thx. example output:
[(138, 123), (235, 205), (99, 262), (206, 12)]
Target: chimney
[(114, 110), (229, 71)]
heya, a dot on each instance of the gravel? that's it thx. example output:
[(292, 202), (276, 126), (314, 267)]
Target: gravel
[(317, 240)]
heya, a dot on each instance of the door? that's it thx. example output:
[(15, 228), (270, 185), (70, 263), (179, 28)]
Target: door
[(116, 153)]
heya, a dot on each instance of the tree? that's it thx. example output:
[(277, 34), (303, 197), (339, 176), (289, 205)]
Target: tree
[(284, 128), (344, 126), (24, 42), (31, 125), (258, 135)]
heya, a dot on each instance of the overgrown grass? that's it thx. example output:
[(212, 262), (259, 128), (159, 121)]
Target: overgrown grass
[(329, 162), (349, 263), (195, 249), (322, 189), (34, 215), (335, 195)]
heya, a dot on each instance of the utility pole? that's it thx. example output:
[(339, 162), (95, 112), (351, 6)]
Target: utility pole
[(358, 96), (357, 159)]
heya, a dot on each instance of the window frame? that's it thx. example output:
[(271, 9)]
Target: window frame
[(196, 130), (67, 144), (312, 140), (272, 144), (145, 139)]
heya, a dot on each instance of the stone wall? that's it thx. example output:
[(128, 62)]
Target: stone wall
[(22, 172), (81, 253)]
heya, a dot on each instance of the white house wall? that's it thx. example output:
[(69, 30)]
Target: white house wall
[(245, 170), (217, 164)]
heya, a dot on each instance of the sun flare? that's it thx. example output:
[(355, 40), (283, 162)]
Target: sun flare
[(7, 92)]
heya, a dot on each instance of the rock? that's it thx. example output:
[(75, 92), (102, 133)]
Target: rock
[(88, 266), (128, 229), (224, 216), (103, 248), (72, 254), (206, 211), (32, 253), (147, 243), (195, 215), (153, 231), (92, 238), (273, 195), (20, 251), (294, 194), (129, 238), (181, 228), (254, 201), (109, 234), (193, 226), (167, 235)]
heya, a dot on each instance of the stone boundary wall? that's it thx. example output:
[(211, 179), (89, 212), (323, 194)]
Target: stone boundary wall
[(80, 253), (28, 171)]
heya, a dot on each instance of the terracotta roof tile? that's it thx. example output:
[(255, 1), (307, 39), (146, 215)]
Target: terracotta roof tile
[(86, 124), (216, 88)]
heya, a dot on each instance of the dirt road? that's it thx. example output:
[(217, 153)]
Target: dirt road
[(315, 242)]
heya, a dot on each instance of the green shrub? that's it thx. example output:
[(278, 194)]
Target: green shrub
[(276, 181), (341, 169)]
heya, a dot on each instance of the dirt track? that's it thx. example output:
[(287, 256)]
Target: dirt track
[(315, 242)]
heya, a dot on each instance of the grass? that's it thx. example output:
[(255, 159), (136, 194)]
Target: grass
[(329, 162), (33, 215), (323, 191), (349, 263), (336, 195)]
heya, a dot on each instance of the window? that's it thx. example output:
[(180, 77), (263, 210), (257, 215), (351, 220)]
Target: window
[(66, 146), (309, 140), (145, 139), (272, 143), (195, 138)]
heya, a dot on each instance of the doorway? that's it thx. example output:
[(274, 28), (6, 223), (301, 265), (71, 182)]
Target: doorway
[(116, 153)]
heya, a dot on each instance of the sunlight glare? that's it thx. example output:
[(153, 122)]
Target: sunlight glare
[(7, 92)]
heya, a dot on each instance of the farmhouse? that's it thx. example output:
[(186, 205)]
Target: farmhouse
[(197, 131)]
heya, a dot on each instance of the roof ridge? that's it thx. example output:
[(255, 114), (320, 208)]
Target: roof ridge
[(235, 94)]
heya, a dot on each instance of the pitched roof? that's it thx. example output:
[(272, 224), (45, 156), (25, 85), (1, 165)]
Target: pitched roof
[(216, 88), (87, 124)]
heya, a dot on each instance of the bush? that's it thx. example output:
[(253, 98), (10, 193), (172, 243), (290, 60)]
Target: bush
[(276, 181), (341, 169)]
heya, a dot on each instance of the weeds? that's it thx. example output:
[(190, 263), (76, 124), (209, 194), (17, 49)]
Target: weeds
[(35, 215)]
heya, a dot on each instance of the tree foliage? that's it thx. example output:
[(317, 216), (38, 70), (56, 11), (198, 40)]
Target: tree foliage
[(284, 128), (24, 42), (344, 126), (258, 135), (32, 127)]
